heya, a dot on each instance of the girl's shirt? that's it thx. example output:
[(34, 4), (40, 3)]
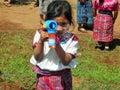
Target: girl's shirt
[(51, 60), (111, 5)]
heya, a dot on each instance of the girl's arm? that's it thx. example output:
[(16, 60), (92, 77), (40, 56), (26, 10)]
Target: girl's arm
[(94, 12), (39, 49), (115, 14), (65, 58)]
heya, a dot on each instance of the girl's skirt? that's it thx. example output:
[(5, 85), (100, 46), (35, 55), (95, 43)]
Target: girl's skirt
[(103, 28), (53, 80)]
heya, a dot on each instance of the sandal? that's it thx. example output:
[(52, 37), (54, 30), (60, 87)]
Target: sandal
[(82, 30), (101, 47)]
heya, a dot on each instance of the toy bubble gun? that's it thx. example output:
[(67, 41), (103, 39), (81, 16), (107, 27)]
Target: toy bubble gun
[(50, 26)]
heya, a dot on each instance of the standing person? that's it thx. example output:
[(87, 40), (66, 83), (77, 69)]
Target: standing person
[(104, 21), (36, 3), (43, 4), (53, 65), (6, 3), (84, 14)]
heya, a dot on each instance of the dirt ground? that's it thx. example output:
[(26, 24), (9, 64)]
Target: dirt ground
[(27, 17)]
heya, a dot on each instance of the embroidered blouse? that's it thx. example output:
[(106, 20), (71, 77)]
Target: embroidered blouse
[(51, 61)]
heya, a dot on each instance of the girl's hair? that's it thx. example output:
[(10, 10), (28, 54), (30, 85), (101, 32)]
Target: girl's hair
[(58, 8), (101, 1)]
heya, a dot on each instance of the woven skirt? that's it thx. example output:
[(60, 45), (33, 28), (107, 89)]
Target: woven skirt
[(103, 28), (55, 80)]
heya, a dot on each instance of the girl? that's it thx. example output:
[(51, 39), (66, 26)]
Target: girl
[(53, 66), (104, 21)]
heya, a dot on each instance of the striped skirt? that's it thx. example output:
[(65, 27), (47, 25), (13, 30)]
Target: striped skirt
[(103, 28), (56, 80)]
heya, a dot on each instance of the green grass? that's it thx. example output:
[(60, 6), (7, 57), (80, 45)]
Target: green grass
[(16, 50), (96, 70), (99, 69)]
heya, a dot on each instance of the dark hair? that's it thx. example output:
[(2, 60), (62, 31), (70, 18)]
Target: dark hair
[(101, 1), (57, 8)]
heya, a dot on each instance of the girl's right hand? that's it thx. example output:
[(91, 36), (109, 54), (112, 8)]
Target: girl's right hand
[(44, 35)]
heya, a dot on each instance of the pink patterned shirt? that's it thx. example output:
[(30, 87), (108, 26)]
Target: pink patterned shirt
[(111, 5)]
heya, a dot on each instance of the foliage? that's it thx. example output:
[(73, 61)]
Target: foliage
[(96, 69), (15, 53)]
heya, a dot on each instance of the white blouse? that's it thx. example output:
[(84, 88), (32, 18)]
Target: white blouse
[(51, 60)]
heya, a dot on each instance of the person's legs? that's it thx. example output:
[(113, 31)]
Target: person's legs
[(14, 2), (81, 28), (100, 45), (36, 3), (88, 26), (6, 3), (79, 18), (89, 10)]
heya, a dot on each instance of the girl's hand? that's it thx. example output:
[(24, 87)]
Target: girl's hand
[(44, 35)]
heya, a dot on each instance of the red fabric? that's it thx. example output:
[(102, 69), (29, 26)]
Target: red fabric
[(103, 28), (48, 83), (60, 81)]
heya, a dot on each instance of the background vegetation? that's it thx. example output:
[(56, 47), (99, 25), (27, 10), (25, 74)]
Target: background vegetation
[(96, 70)]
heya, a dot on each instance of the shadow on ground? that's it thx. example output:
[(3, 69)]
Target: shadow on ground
[(114, 43)]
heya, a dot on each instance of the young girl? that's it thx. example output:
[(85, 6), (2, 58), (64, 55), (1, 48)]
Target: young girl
[(53, 65), (104, 21)]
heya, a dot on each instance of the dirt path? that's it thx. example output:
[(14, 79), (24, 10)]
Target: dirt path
[(27, 17), (19, 17)]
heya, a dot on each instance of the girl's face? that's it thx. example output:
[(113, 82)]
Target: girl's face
[(63, 25)]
